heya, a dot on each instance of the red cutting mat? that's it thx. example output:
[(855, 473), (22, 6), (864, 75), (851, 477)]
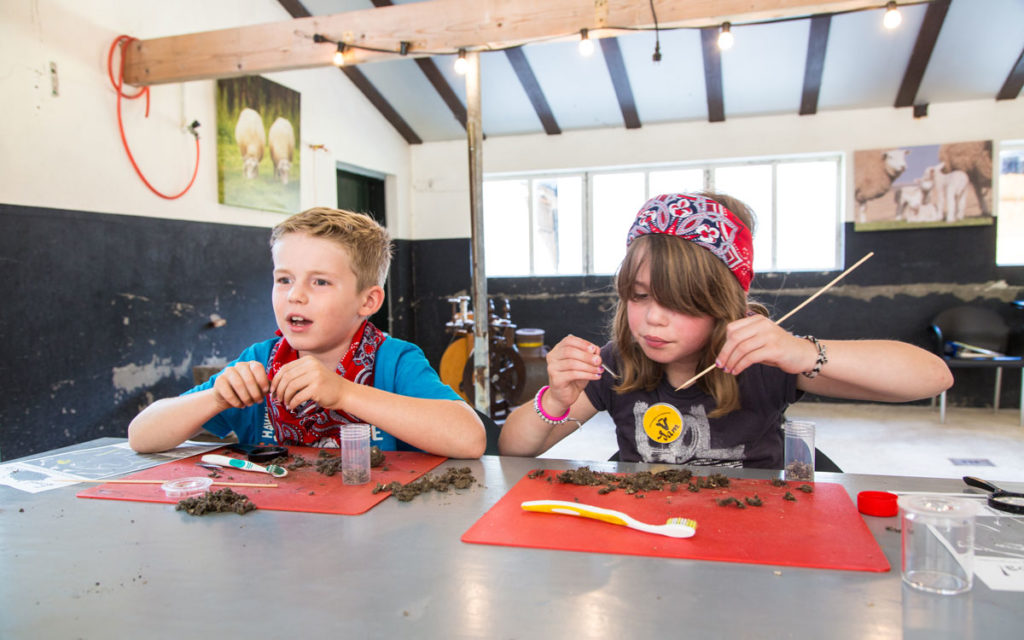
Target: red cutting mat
[(821, 529), (304, 489)]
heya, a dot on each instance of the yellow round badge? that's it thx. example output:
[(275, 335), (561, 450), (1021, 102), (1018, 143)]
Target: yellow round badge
[(663, 423)]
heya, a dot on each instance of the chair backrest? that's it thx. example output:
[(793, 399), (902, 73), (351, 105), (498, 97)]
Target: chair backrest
[(973, 325)]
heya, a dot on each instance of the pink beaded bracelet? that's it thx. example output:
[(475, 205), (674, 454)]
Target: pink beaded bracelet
[(552, 420)]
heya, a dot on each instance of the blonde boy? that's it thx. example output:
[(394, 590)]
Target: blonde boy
[(329, 365)]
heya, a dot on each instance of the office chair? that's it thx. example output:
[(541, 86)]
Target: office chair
[(972, 337)]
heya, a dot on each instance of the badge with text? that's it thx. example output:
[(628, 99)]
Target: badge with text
[(663, 423)]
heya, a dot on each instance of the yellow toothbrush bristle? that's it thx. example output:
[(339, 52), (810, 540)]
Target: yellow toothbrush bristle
[(687, 521)]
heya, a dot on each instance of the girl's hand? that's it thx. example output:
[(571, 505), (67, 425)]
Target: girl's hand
[(241, 385), (307, 379), (757, 339), (572, 363)]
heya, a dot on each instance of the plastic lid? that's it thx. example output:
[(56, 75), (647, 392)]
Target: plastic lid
[(185, 487), (877, 503)]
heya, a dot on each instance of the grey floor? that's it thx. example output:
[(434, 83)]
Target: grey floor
[(883, 439)]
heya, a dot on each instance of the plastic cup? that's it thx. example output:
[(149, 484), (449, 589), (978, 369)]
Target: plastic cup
[(355, 453), (799, 448), (937, 534)]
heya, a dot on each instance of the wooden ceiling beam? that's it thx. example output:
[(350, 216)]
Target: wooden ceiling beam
[(430, 28), (712, 74), (934, 16), (817, 43), (1014, 80), (528, 80), (620, 81)]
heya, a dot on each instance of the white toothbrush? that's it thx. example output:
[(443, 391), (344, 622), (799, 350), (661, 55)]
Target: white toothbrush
[(673, 527), (244, 465)]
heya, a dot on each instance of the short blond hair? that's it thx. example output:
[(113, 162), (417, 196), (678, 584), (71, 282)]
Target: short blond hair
[(368, 243)]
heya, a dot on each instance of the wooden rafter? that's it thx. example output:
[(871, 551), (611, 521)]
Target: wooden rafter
[(713, 74), (817, 43), (620, 81), (524, 72), (934, 16), (430, 27), (1014, 80)]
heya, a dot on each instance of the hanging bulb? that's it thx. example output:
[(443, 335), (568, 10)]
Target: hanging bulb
[(461, 64), (725, 38), (586, 44), (892, 18), (339, 55)]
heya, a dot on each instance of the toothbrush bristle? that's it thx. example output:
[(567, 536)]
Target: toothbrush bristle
[(686, 521)]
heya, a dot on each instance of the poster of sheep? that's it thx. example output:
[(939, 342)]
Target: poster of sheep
[(936, 185), (257, 155)]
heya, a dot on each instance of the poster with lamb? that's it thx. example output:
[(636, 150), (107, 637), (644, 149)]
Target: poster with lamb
[(257, 151), (936, 185)]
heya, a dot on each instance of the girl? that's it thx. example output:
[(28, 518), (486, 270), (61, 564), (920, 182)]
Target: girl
[(682, 307)]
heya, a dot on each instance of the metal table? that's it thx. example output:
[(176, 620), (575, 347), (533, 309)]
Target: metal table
[(74, 568)]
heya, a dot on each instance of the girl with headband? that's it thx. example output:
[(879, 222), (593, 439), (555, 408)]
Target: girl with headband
[(683, 307)]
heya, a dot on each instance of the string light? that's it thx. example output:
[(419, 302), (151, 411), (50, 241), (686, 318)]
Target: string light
[(892, 18), (461, 64), (725, 38), (339, 55), (586, 44)]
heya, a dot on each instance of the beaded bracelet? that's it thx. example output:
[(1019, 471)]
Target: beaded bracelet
[(822, 357), (552, 420)]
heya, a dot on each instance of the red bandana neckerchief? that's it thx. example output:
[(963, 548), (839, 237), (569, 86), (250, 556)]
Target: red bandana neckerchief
[(310, 424)]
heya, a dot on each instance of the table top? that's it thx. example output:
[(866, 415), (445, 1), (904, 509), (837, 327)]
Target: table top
[(75, 568)]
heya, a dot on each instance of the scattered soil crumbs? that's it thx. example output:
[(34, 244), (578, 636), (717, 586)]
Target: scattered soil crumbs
[(778, 482), (800, 471), (806, 488), (329, 463), (461, 478), (376, 456), (223, 500), (789, 496), (755, 501), (642, 480)]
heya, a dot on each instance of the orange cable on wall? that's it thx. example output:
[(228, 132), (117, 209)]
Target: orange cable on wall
[(118, 86)]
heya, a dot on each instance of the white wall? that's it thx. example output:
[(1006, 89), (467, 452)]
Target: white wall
[(65, 151), (440, 200)]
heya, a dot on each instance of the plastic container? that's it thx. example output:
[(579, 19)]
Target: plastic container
[(529, 342), (185, 487), (799, 450), (355, 453), (937, 536)]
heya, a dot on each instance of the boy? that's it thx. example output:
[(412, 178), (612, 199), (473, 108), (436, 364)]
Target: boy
[(330, 365)]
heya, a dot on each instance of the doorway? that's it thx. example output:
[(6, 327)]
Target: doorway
[(365, 194)]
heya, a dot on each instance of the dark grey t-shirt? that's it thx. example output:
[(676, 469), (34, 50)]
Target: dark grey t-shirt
[(677, 430)]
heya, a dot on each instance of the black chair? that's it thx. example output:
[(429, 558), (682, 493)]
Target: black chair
[(972, 337)]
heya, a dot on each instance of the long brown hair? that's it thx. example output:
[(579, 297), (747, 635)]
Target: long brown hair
[(689, 279)]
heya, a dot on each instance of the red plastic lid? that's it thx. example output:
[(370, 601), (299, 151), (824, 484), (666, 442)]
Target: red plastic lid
[(877, 503)]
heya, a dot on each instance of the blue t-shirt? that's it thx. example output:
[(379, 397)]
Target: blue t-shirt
[(401, 367)]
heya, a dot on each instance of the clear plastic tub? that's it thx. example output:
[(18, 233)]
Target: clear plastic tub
[(185, 487)]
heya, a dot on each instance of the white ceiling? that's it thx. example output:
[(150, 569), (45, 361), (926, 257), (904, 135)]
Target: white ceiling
[(979, 44)]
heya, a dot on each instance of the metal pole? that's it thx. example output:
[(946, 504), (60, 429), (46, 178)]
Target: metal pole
[(481, 310)]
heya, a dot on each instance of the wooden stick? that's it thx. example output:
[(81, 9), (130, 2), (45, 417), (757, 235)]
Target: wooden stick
[(223, 484), (779, 321)]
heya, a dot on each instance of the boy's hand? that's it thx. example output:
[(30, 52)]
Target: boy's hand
[(757, 339), (241, 385), (308, 379), (572, 363)]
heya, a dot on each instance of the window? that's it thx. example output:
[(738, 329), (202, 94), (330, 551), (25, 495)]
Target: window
[(576, 224), (1010, 230)]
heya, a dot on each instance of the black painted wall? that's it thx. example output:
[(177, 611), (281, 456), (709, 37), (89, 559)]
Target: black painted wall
[(105, 313)]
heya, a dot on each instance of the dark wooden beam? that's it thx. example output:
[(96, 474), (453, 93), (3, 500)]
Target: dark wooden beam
[(296, 9), (934, 16), (817, 43), (437, 79), (1014, 81), (620, 80), (713, 74), (533, 91)]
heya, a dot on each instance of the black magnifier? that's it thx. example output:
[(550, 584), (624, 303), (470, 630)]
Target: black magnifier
[(1001, 499), (260, 453)]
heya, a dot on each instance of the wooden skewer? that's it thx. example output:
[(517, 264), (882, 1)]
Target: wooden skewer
[(223, 484), (780, 320)]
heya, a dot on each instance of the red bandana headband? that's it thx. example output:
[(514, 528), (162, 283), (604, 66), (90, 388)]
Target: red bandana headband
[(704, 222)]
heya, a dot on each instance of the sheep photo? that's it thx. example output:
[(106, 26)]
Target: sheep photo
[(925, 186), (257, 151)]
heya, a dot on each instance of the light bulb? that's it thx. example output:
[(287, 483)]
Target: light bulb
[(586, 44), (461, 64), (725, 38), (892, 17), (339, 55)]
